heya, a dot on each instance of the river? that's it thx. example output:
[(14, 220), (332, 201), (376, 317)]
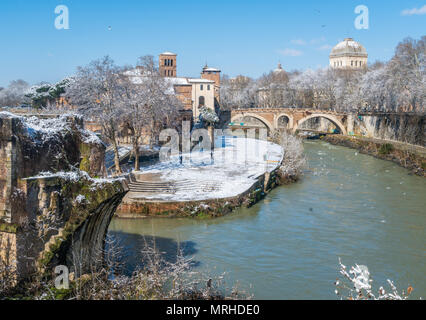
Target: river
[(347, 205)]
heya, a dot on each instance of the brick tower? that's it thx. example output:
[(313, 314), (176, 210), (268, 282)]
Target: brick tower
[(167, 67), (214, 75), (211, 74)]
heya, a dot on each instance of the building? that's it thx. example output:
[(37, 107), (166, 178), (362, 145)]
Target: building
[(167, 64), (214, 75), (348, 54), (194, 93), (279, 69)]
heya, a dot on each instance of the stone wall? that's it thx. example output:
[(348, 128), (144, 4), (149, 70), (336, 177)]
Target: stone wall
[(25, 153), (51, 209), (407, 156), (403, 128)]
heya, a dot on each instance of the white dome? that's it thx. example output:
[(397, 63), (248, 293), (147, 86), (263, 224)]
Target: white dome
[(348, 47)]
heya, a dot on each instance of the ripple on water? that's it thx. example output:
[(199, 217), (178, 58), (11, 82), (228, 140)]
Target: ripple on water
[(288, 246)]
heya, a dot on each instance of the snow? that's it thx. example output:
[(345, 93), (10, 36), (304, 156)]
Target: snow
[(75, 176), (80, 198), (211, 70), (40, 129), (47, 127), (193, 80), (234, 170), (346, 43)]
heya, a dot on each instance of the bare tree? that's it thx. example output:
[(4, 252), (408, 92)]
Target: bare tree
[(150, 103), (97, 90), (14, 94)]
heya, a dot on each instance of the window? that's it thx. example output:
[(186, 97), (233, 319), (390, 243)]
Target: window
[(356, 63), (165, 72), (171, 62), (201, 87), (352, 63), (201, 101), (208, 87), (171, 72)]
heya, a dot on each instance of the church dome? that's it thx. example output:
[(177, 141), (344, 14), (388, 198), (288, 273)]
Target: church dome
[(348, 47), (279, 69)]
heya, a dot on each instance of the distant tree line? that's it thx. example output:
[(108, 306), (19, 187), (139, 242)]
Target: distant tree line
[(396, 86)]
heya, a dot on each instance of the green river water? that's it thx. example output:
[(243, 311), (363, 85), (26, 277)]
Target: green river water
[(347, 205)]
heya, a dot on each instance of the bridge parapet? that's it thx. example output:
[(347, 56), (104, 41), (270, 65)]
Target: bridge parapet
[(296, 116)]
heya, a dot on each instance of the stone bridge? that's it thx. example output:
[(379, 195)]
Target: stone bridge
[(290, 118)]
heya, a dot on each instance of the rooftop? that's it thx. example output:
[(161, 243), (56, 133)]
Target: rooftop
[(167, 53), (200, 81), (348, 47), (211, 69)]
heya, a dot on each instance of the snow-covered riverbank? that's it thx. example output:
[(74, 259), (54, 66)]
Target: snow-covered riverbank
[(227, 172)]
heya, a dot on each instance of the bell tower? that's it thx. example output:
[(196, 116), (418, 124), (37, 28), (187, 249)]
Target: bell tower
[(167, 64), (211, 74)]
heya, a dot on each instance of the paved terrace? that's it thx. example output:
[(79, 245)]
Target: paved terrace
[(227, 172)]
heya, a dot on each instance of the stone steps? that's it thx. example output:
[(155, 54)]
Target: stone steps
[(159, 187)]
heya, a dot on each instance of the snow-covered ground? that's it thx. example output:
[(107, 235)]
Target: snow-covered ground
[(227, 172)]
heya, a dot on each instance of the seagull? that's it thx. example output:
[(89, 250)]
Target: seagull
[(109, 28)]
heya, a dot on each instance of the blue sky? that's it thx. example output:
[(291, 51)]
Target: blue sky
[(240, 37)]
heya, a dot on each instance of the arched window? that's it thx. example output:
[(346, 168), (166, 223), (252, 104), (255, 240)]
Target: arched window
[(201, 101)]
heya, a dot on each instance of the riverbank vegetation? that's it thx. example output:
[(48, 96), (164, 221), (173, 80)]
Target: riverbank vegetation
[(409, 157), (357, 285), (294, 160), (156, 279)]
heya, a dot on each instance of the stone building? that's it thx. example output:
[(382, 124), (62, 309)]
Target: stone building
[(168, 67), (194, 93), (348, 54)]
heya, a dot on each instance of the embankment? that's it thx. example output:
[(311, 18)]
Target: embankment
[(209, 208), (408, 156)]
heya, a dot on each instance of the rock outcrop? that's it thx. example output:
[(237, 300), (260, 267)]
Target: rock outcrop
[(53, 208)]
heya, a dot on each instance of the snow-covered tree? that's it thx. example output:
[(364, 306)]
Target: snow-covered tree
[(14, 94), (149, 105), (97, 90)]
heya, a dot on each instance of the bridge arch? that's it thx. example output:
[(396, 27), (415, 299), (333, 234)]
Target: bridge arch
[(253, 115), (332, 118), (288, 116)]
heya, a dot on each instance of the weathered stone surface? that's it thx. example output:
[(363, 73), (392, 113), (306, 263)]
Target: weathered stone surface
[(50, 211)]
